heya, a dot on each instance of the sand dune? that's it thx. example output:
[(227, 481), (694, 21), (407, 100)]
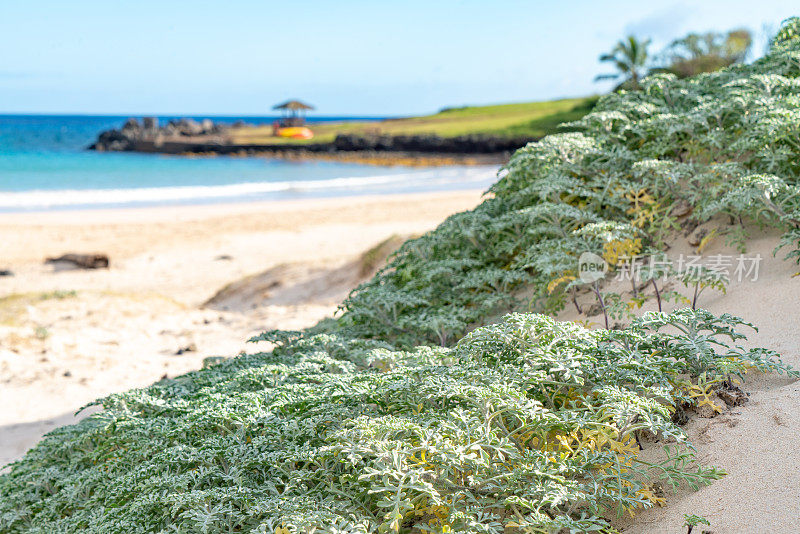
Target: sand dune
[(303, 282)]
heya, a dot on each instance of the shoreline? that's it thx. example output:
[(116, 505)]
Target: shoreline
[(191, 212), (400, 180), (375, 158)]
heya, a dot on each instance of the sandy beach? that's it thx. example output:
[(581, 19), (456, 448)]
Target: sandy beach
[(70, 336)]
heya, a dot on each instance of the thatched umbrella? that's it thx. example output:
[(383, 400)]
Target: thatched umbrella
[(293, 112), (293, 105)]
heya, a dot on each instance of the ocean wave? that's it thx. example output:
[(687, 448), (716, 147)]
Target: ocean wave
[(427, 179)]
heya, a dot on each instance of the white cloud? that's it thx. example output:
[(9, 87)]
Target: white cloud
[(663, 25)]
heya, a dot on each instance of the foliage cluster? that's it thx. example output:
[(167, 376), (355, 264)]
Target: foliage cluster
[(706, 52), (527, 425), (530, 424)]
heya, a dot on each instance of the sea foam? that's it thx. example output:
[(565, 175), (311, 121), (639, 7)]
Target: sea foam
[(418, 180)]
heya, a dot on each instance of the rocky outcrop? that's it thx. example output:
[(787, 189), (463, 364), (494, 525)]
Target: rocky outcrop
[(180, 136), (112, 140), (134, 131), (465, 144)]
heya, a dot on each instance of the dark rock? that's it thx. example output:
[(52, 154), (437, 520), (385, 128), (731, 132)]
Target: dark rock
[(132, 129), (119, 146), (150, 124), (696, 237), (188, 348), (84, 261), (114, 140), (681, 209), (733, 395), (6, 272), (189, 127), (466, 144)]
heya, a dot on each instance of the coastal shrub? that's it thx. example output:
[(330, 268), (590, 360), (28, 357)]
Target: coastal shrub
[(530, 424), (411, 412)]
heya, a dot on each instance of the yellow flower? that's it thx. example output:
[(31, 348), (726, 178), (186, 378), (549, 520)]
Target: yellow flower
[(558, 281), (616, 251), (703, 392), (644, 207), (627, 446), (647, 493), (639, 199)]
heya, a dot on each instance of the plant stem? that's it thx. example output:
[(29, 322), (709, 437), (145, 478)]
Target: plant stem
[(602, 304), (658, 293), (575, 301)]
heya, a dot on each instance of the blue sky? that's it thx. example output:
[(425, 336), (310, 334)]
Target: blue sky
[(349, 57)]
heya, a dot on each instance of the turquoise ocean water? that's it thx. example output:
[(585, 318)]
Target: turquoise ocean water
[(44, 166)]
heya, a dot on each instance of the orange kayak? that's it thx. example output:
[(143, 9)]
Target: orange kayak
[(296, 132)]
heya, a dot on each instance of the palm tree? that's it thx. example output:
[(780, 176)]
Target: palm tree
[(630, 58)]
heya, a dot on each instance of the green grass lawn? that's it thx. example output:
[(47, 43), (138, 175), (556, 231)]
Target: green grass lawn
[(529, 119)]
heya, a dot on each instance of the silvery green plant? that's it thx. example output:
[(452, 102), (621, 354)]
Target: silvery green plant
[(529, 424)]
